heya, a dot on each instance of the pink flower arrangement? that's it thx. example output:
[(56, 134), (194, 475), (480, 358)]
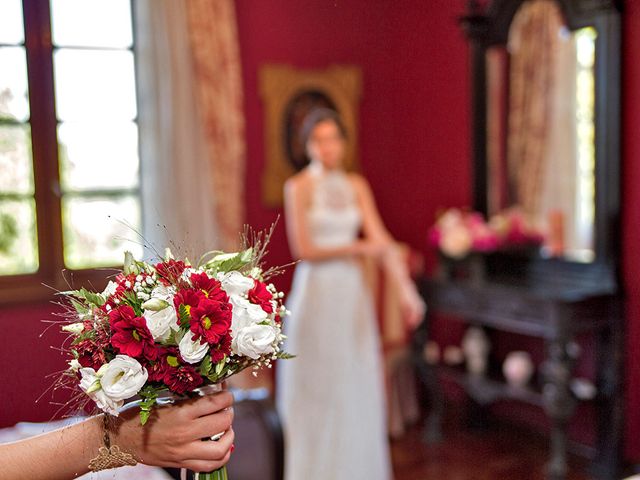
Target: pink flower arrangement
[(458, 232)]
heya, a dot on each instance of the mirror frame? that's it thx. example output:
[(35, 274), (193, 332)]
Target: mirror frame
[(489, 26)]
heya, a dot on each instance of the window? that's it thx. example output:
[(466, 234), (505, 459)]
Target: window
[(69, 163)]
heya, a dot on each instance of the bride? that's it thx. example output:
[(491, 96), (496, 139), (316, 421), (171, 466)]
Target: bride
[(331, 396)]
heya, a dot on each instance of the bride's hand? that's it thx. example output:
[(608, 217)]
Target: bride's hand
[(172, 436), (412, 305), (370, 248)]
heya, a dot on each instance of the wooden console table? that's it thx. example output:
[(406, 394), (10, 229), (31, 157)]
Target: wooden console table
[(556, 314)]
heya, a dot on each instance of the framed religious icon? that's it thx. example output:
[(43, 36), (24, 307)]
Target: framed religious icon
[(289, 94)]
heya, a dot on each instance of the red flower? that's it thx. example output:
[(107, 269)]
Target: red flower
[(168, 357), (123, 313), (211, 320), (189, 297), (261, 296), (183, 378), (90, 354), (170, 271), (211, 287), (131, 335), (222, 349)]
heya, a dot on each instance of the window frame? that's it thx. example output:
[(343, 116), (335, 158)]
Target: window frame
[(52, 275)]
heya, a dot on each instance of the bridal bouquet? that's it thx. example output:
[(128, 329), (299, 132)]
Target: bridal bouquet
[(171, 328)]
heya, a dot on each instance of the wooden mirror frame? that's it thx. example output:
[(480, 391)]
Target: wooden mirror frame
[(488, 26)]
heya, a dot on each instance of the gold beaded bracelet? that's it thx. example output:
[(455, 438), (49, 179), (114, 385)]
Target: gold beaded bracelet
[(110, 456)]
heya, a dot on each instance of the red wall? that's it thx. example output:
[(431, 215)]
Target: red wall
[(630, 218), (26, 358), (414, 110)]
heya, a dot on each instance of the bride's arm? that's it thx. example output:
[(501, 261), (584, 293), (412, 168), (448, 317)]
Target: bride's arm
[(296, 198), (172, 438), (391, 257)]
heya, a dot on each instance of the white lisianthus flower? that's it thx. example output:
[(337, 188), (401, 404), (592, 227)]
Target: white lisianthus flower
[(75, 328), (156, 304), (164, 292), (254, 341), (123, 378), (234, 283), (186, 274), (245, 313), (110, 289), (90, 384), (192, 351), (162, 322)]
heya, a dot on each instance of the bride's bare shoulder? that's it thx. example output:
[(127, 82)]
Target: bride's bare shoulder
[(358, 181)]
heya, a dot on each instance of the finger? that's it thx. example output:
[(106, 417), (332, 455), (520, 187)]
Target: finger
[(210, 450), (211, 424), (209, 404), (204, 466)]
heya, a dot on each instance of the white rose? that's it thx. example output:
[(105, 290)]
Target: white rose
[(90, 384), (234, 283), (190, 350), (160, 323), (245, 313), (254, 341), (110, 289), (123, 378)]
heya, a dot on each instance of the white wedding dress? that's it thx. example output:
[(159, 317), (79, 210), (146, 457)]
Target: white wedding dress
[(331, 397)]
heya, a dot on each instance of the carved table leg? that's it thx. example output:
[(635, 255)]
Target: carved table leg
[(609, 402), (559, 404), (429, 378)]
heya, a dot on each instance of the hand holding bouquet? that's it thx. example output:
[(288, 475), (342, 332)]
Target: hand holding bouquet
[(170, 328)]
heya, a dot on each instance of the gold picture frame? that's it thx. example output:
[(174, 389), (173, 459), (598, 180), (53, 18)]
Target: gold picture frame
[(286, 93)]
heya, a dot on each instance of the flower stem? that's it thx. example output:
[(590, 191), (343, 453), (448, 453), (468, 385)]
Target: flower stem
[(220, 474)]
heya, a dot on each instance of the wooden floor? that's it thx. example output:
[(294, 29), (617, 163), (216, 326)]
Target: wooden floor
[(496, 454)]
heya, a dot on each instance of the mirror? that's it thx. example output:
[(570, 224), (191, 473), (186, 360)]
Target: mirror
[(546, 130), (541, 128)]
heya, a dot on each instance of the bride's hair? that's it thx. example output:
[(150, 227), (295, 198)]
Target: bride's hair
[(319, 115)]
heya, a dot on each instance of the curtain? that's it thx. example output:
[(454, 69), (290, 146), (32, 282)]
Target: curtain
[(533, 43), (214, 42), (191, 126)]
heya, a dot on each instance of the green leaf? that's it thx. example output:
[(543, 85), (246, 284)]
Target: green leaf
[(205, 366), (130, 265), (185, 317), (130, 298), (90, 297), (80, 308), (220, 366), (149, 397), (203, 258), (285, 356), (227, 262), (144, 416)]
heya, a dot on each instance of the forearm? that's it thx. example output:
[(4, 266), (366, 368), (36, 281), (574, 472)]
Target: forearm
[(61, 454), (395, 266), (318, 254)]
